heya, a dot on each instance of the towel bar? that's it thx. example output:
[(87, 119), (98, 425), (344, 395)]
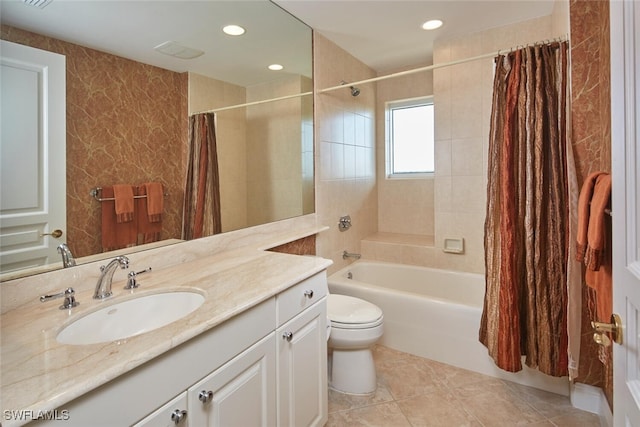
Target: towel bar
[(97, 191)]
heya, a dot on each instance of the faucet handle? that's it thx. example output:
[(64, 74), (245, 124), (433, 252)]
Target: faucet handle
[(131, 281), (69, 298)]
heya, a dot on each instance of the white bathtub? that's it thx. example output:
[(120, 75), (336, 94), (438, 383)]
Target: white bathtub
[(434, 314)]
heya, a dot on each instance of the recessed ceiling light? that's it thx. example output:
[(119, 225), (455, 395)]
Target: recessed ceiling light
[(432, 24), (177, 50), (233, 30), (275, 67)]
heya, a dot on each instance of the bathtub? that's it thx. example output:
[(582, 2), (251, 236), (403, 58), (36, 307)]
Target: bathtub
[(434, 314)]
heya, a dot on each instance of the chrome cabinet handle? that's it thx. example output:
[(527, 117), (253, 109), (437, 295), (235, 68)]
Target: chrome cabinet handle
[(178, 416), (287, 336), (308, 293), (205, 396)]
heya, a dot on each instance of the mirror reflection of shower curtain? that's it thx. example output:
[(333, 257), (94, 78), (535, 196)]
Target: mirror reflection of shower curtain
[(201, 214), (527, 228)]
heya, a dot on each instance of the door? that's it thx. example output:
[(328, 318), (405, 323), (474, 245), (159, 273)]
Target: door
[(625, 136), (239, 394), (32, 156)]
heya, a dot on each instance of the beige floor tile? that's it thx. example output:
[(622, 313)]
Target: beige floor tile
[(341, 401), (548, 404), (438, 409), (577, 419), (382, 415), (493, 406), (408, 376), (457, 377), (414, 392)]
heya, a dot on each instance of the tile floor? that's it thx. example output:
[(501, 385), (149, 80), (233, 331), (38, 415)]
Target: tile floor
[(413, 391)]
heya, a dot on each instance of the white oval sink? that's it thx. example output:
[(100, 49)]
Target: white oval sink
[(131, 317)]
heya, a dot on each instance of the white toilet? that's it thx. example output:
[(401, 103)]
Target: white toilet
[(355, 326)]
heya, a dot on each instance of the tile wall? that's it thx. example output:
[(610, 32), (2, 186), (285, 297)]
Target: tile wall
[(345, 151)]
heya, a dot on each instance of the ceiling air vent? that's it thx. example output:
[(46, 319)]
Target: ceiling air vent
[(41, 4), (177, 50)]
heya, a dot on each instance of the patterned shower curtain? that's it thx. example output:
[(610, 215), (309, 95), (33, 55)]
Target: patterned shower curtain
[(527, 227), (201, 213)]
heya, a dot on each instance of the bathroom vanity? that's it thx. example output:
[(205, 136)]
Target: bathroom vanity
[(253, 354)]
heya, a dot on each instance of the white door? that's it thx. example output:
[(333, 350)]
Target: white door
[(625, 135), (32, 156)]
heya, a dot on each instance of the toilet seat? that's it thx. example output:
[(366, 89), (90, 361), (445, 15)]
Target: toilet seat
[(346, 312), (338, 325)]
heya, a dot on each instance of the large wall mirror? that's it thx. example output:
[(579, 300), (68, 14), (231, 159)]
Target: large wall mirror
[(127, 105)]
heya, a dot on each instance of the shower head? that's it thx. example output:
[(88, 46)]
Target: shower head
[(354, 90)]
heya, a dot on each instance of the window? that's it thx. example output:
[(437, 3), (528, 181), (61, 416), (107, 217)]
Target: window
[(410, 140)]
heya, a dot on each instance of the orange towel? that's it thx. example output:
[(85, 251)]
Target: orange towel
[(150, 231), (584, 206), (595, 227), (115, 235), (597, 233), (124, 206), (155, 201)]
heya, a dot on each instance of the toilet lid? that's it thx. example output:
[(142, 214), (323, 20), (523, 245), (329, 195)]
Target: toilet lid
[(351, 311)]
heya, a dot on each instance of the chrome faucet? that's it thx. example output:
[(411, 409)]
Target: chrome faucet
[(67, 257), (103, 287)]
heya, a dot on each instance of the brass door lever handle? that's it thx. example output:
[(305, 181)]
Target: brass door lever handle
[(55, 234), (614, 328)]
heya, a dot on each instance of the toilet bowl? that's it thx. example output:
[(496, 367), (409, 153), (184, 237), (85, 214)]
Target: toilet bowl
[(355, 326)]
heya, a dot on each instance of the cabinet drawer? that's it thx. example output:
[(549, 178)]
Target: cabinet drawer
[(298, 297)]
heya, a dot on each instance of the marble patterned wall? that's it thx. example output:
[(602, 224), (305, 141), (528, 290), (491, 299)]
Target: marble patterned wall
[(591, 128), (126, 123)]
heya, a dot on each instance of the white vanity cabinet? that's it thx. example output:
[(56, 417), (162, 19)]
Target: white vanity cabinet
[(264, 367), (302, 354)]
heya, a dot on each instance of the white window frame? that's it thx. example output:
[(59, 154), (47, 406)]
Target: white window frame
[(389, 106)]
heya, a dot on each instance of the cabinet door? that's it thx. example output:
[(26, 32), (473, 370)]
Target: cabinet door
[(302, 368), (239, 394), (172, 414)]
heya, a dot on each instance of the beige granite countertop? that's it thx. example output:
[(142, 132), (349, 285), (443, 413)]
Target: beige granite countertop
[(39, 374)]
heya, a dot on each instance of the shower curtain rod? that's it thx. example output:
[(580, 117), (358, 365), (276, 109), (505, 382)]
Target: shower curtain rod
[(249, 104), (444, 64), (392, 75)]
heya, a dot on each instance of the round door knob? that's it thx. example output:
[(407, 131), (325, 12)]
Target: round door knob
[(308, 293), (288, 336), (178, 416), (205, 396), (55, 233)]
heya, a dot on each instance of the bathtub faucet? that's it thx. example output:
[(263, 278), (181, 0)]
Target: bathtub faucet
[(346, 255)]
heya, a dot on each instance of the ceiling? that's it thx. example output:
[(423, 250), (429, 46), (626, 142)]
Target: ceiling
[(388, 34), (385, 35)]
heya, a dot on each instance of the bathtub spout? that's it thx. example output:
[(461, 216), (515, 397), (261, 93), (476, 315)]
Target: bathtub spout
[(346, 255)]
